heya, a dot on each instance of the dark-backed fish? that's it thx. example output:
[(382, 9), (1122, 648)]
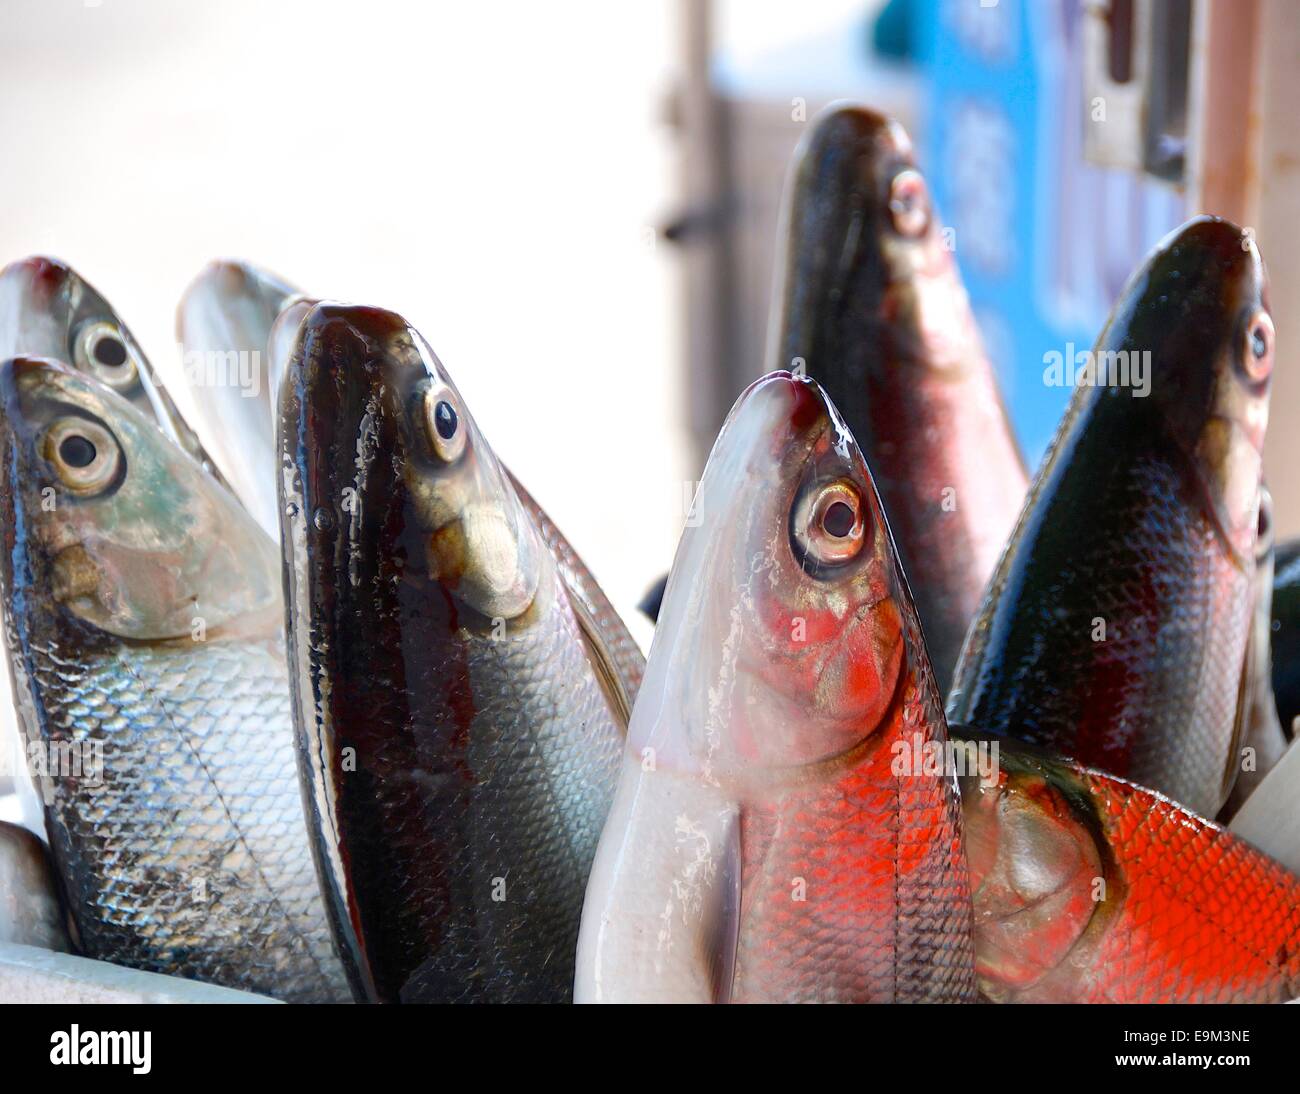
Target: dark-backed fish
[(1116, 625), (460, 722), (870, 302)]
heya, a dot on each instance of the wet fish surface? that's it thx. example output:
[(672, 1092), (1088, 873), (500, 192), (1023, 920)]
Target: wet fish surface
[(1091, 889), (1116, 625), (762, 846), (459, 722), (235, 307), (143, 624), (870, 301)]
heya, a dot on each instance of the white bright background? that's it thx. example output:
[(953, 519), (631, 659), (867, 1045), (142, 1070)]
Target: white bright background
[(493, 172)]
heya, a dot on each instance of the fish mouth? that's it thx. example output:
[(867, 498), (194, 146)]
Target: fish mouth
[(41, 277)]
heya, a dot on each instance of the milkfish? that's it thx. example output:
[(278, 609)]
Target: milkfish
[(238, 308), (460, 723), (777, 835), (1115, 627), (869, 301), (143, 622)]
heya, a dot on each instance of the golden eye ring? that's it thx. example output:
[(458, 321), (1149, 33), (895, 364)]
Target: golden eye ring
[(83, 454), (101, 351), (830, 523), (445, 425)]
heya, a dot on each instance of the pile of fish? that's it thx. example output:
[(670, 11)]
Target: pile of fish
[(355, 722)]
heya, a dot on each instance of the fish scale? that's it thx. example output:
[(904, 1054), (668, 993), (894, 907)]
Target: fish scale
[(1179, 589), (509, 799), (1115, 627), (199, 788), (1188, 913), (885, 897)]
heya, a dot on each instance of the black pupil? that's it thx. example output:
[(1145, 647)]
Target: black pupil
[(76, 451), (110, 351), (838, 520), (1258, 343), (444, 419)]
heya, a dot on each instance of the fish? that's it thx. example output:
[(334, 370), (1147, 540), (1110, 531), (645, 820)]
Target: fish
[(1268, 818), (1264, 742), (1115, 627), (764, 845), (222, 325), (235, 307), (869, 301), (1088, 888), (49, 310), (31, 912), (459, 722), (144, 635), (1285, 634)]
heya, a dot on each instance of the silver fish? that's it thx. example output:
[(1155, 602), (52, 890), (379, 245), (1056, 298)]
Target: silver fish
[(143, 612), (48, 310)]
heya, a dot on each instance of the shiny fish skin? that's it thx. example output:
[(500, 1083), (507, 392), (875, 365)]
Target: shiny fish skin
[(1263, 742), (1143, 518), (1188, 913), (869, 297), (760, 847), (190, 855), (222, 324), (234, 306), (483, 765), (48, 310)]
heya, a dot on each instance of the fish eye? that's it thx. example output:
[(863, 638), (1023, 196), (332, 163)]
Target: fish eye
[(84, 455), (444, 424), (909, 203), (1257, 353), (101, 351), (829, 524)]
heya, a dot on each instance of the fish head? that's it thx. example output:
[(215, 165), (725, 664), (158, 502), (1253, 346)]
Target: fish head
[(392, 461), (48, 310), (1198, 309), (108, 521), (862, 227), (233, 306), (788, 625), (234, 296)]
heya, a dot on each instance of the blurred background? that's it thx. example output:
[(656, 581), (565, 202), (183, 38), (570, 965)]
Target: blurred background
[(577, 202)]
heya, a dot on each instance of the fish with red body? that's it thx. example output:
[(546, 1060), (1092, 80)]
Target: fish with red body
[(1091, 889), (762, 845)]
